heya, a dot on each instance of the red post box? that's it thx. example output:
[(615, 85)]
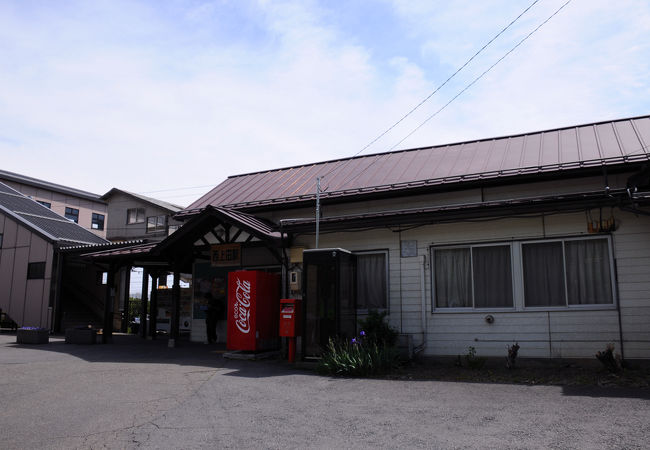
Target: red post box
[(290, 323), (289, 317)]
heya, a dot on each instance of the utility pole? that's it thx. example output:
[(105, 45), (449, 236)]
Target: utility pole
[(317, 208)]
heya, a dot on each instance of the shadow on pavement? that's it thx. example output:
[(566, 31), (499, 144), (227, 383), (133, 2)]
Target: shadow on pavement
[(131, 349), (605, 392)]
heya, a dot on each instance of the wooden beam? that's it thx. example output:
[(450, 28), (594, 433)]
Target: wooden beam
[(107, 332), (221, 241), (153, 307), (237, 234), (143, 303), (176, 304)]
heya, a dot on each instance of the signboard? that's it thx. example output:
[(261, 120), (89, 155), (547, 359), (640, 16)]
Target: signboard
[(409, 249), (225, 255)]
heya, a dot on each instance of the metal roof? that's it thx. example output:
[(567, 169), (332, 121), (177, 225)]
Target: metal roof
[(44, 221), (154, 201), (35, 182), (577, 147), (124, 252)]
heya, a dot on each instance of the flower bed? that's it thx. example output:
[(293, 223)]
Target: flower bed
[(32, 335)]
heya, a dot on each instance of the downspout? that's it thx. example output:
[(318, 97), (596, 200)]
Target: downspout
[(55, 291), (618, 310), (423, 298)]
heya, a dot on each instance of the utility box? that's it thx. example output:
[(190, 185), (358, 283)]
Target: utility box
[(290, 317)]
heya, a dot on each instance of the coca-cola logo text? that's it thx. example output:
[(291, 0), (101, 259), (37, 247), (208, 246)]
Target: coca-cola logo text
[(242, 307)]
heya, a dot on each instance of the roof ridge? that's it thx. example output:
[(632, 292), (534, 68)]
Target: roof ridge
[(449, 144)]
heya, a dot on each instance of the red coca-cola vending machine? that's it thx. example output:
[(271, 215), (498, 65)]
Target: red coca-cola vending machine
[(253, 310)]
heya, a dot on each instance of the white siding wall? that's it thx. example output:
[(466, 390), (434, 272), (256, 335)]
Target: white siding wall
[(565, 333)]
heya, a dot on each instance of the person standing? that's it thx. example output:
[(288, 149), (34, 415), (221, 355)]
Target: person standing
[(211, 318)]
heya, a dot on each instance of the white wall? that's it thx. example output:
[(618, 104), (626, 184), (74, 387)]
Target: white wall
[(541, 333)]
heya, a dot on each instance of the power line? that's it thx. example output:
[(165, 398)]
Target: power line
[(437, 88), (481, 75), (461, 92)]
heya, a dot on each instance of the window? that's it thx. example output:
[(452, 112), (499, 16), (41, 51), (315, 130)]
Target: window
[(473, 277), (156, 223), (567, 273), (97, 222), (0, 240), (102, 278), (35, 270), (134, 215), (172, 228), (46, 204), (72, 214), (372, 280)]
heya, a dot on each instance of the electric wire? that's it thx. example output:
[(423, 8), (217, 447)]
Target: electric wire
[(439, 87), (557, 11)]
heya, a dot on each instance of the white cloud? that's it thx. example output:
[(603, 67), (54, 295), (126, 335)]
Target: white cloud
[(143, 98)]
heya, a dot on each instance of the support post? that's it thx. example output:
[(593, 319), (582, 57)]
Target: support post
[(107, 332), (317, 209), (143, 303), (125, 283), (176, 304), (153, 306)]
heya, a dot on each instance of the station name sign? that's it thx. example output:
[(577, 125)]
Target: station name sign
[(225, 255)]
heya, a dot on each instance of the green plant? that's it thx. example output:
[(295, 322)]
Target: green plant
[(611, 361), (358, 358), (511, 359), (377, 331), (473, 362)]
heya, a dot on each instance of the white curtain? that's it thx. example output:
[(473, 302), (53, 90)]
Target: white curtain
[(453, 278), (588, 274)]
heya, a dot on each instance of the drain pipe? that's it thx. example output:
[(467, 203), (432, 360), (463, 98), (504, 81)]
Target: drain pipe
[(423, 299)]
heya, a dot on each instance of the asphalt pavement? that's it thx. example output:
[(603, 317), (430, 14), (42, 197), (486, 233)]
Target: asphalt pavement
[(142, 394)]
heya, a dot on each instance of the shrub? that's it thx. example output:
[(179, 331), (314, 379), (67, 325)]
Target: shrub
[(473, 362), (377, 331), (358, 358), (511, 359), (611, 361)]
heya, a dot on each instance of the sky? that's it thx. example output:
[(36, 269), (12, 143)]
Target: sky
[(169, 98)]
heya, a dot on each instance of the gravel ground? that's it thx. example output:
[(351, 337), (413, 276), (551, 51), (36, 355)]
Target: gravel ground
[(141, 394)]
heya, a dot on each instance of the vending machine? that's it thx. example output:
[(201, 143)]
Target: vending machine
[(253, 310)]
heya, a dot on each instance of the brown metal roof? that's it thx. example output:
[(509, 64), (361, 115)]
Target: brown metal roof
[(583, 146)]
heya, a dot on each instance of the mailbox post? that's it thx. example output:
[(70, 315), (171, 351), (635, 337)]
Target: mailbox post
[(290, 323)]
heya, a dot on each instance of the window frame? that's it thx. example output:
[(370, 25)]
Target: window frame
[(517, 271), (71, 211), (92, 221), (386, 254), (38, 266), (157, 228), (473, 308), (137, 216), (568, 306)]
